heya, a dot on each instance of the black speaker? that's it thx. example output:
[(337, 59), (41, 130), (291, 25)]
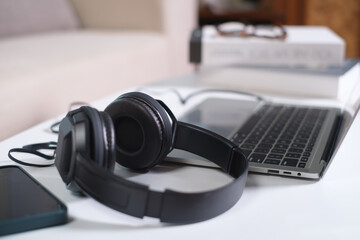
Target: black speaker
[(138, 132)]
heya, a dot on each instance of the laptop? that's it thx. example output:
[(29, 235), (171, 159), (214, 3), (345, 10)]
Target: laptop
[(279, 139)]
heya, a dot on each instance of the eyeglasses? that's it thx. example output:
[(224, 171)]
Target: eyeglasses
[(238, 29)]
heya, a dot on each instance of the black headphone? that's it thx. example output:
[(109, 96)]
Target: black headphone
[(138, 132)]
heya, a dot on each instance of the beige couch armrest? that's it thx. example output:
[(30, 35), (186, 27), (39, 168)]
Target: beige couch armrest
[(156, 15), (120, 14), (174, 18)]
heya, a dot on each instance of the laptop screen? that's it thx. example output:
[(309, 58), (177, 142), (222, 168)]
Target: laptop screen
[(222, 116)]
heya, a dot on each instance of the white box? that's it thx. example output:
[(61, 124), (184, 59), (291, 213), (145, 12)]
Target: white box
[(310, 46), (330, 82)]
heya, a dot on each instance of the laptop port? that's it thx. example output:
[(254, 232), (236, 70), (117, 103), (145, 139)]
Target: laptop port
[(289, 173)]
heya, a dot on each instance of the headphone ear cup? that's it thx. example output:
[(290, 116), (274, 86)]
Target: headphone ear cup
[(142, 129), (102, 138)]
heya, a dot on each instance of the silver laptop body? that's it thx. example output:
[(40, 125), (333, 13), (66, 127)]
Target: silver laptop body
[(228, 117)]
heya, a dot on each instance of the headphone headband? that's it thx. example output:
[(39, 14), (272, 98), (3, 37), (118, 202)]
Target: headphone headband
[(169, 206)]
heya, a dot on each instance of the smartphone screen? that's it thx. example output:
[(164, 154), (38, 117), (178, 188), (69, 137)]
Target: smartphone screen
[(25, 204)]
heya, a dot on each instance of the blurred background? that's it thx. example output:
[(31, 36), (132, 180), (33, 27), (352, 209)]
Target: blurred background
[(54, 52)]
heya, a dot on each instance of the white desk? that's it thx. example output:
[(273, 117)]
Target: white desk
[(271, 207)]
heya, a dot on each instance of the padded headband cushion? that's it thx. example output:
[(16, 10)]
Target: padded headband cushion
[(101, 138), (142, 129)]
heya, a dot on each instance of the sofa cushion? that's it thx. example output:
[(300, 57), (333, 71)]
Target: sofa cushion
[(41, 74), (44, 53), (18, 17)]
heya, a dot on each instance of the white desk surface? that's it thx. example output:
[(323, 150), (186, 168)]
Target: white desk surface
[(270, 208)]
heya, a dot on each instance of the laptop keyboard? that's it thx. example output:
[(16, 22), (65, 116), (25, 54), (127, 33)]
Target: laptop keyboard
[(281, 135)]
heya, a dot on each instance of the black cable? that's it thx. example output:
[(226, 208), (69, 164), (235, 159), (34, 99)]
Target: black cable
[(183, 100), (53, 127), (34, 149)]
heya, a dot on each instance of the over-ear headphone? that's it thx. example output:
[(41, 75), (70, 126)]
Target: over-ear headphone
[(138, 132)]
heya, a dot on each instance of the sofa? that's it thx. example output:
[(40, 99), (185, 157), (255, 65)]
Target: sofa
[(54, 52)]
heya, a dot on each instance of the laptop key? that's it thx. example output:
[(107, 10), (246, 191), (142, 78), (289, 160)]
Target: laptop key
[(303, 136), (302, 165), (251, 141), (276, 156), (278, 150), (284, 141), (268, 141), (306, 154), (265, 145), (272, 161), (287, 136), (248, 146), (298, 145), (302, 141), (262, 150), (289, 162), (259, 158), (281, 146), (293, 155), (295, 150)]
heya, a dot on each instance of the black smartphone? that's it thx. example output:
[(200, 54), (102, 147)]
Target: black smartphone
[(25, 204)]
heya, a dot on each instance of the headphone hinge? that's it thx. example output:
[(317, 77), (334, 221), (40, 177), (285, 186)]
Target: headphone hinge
[(173, 120)]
